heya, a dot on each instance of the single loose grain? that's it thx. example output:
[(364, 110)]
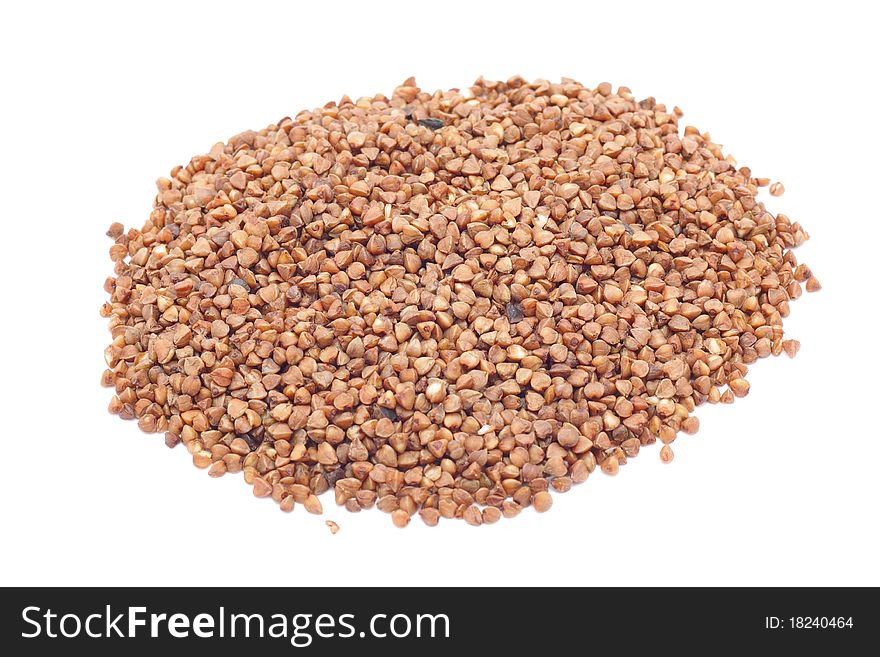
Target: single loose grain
[(447, 304)]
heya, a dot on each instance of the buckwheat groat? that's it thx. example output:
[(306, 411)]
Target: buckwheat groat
[(447, 303)]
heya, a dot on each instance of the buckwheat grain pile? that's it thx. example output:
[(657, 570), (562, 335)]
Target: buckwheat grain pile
[(447, 304)]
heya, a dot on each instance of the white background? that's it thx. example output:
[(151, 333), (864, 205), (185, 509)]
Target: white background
[(99, 101)]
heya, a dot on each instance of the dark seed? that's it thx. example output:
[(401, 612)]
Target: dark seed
[(514, 312), (389, 413), (334, 475), (252, 441), (433, 124)]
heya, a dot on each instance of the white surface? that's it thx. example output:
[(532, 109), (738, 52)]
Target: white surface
[(780, 488)]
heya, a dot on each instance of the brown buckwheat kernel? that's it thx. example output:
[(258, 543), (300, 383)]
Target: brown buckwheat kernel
[(447, 304)]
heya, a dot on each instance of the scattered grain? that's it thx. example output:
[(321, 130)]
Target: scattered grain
[(447, 304)]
